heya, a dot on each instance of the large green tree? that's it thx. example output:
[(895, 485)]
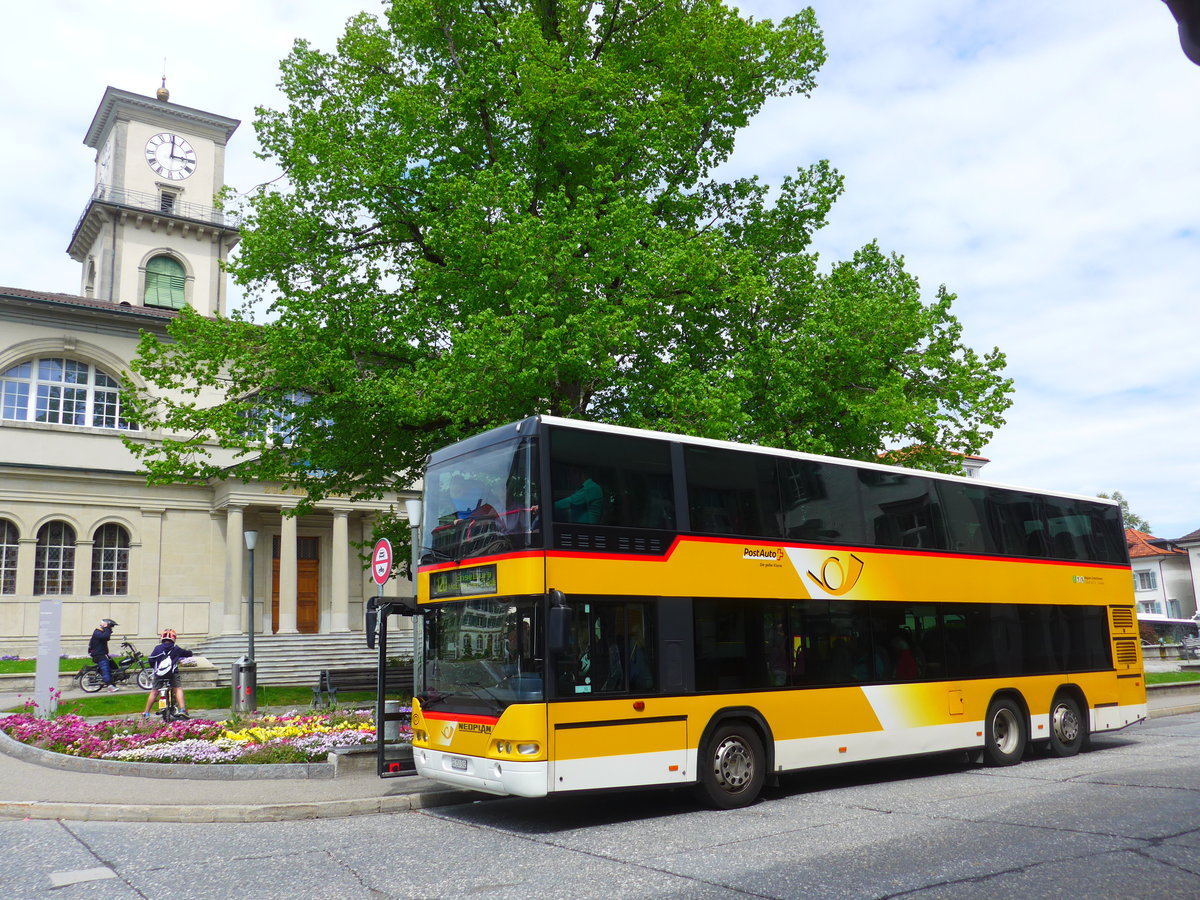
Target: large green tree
[(495, 208), (1131, 519)]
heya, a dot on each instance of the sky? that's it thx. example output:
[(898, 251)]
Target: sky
[(1039, 159)]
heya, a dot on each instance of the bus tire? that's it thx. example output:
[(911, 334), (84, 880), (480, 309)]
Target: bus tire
[(1068, 727), (1005, 733), (733, 767)]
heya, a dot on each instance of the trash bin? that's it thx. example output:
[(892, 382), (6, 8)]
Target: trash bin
[(391, 727), (245, 687)]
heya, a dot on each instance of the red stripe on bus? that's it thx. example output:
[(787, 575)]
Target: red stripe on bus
[(460, 717), (761, 542)]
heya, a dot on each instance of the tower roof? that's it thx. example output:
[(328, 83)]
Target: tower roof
[(150, 109)]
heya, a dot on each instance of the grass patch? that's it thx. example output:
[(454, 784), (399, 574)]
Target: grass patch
[(1171, 677), (29, 666), (128, 702)]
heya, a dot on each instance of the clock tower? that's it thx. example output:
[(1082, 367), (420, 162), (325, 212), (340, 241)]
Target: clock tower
[(151, 234)]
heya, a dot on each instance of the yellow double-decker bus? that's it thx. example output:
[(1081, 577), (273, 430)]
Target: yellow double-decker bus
[(608, 607)]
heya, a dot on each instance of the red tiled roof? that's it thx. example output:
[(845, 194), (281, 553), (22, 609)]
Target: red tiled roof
[(1142, 545)]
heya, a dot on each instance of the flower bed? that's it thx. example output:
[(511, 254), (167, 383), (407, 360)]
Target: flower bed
[(290, 738)]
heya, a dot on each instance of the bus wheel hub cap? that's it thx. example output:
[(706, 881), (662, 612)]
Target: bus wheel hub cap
[(1066, 724), (733, 765)]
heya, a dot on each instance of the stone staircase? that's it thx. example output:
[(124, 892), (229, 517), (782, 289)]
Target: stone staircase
[(296, 658)]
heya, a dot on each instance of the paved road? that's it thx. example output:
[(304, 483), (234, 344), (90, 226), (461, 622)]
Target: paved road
[(1122, 821)]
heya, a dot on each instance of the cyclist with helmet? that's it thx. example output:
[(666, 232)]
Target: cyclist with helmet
[(164, 660), (98, 651)]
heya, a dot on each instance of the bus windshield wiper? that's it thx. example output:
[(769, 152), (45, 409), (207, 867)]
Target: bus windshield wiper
[(437, 554), (429, 698), (481, 692)]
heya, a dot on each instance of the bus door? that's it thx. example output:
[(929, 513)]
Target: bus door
[(608, 726)]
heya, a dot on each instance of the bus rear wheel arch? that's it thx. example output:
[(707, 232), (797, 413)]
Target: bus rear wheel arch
[(1068, 724), (1005, 731), (732, 764)]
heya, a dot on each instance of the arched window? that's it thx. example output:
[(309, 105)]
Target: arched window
[(8, 557), (165, 279), (110, 560), (54, 563), (62, 392)]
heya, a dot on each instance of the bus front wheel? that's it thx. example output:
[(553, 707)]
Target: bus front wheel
[(1004, 734), (732, 768), (1068, 727)]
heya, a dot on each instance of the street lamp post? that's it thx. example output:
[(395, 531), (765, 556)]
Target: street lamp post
[(412, 508), (245, 679), (251, 539)]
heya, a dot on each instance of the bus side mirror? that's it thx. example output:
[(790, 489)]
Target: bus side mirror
[(558, 628)]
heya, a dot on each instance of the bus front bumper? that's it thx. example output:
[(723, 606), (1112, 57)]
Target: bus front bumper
[(506, 778)]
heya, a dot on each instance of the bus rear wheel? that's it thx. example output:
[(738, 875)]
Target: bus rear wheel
[(1068, 728), (732, 768), (1004, 733)]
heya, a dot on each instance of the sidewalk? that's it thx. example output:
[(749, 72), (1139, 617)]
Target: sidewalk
[(35, 791)]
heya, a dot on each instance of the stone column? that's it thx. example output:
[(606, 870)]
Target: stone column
[(287, 576), (234, 617), (339, 597), (26, 558), (82, 588)]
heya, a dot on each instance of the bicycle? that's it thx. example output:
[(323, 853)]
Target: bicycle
[(168, 708), (131, 663)]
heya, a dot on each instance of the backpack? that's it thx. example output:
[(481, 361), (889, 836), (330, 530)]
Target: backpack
[(164, 666)]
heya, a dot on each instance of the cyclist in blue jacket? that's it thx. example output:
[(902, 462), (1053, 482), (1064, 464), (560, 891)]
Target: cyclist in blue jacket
[(164, 660)]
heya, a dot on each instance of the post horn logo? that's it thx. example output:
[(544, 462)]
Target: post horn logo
[(837, 578)]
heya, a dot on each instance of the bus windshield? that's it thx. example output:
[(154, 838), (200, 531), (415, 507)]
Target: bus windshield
[(483, 654), (482, 503)]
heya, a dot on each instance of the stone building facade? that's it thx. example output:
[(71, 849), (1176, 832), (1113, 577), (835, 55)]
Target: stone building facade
[(78, 523)]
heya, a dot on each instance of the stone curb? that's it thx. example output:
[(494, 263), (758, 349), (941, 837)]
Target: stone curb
[(183, 771), (1174, 699), (260, 812)]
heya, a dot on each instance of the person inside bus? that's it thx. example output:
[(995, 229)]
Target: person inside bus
[(640, 676), (906, 668), (584, 507), (777, 655), (870, 662)]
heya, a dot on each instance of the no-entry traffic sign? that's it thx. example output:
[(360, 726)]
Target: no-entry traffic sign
[(381, 562)]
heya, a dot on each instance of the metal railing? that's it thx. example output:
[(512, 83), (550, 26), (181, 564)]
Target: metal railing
[(162, 204)]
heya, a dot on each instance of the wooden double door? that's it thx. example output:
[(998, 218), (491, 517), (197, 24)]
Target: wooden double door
[(308, 581)]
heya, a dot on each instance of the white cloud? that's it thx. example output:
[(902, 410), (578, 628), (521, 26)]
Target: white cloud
[(1040, 159)]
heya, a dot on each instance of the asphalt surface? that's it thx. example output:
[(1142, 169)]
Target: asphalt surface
[(40, 785)]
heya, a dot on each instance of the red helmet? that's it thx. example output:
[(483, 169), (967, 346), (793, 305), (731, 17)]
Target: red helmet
[(168, 634)]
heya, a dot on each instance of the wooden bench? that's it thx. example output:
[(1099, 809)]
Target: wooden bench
[(399, 680)]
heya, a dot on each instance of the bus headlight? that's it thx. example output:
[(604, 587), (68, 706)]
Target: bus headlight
[(527, 749)]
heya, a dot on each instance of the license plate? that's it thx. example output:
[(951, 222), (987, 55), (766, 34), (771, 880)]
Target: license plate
[(458, 764)]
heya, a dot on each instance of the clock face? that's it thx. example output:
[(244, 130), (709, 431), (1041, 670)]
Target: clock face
[(105, 161), (170, 156)]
